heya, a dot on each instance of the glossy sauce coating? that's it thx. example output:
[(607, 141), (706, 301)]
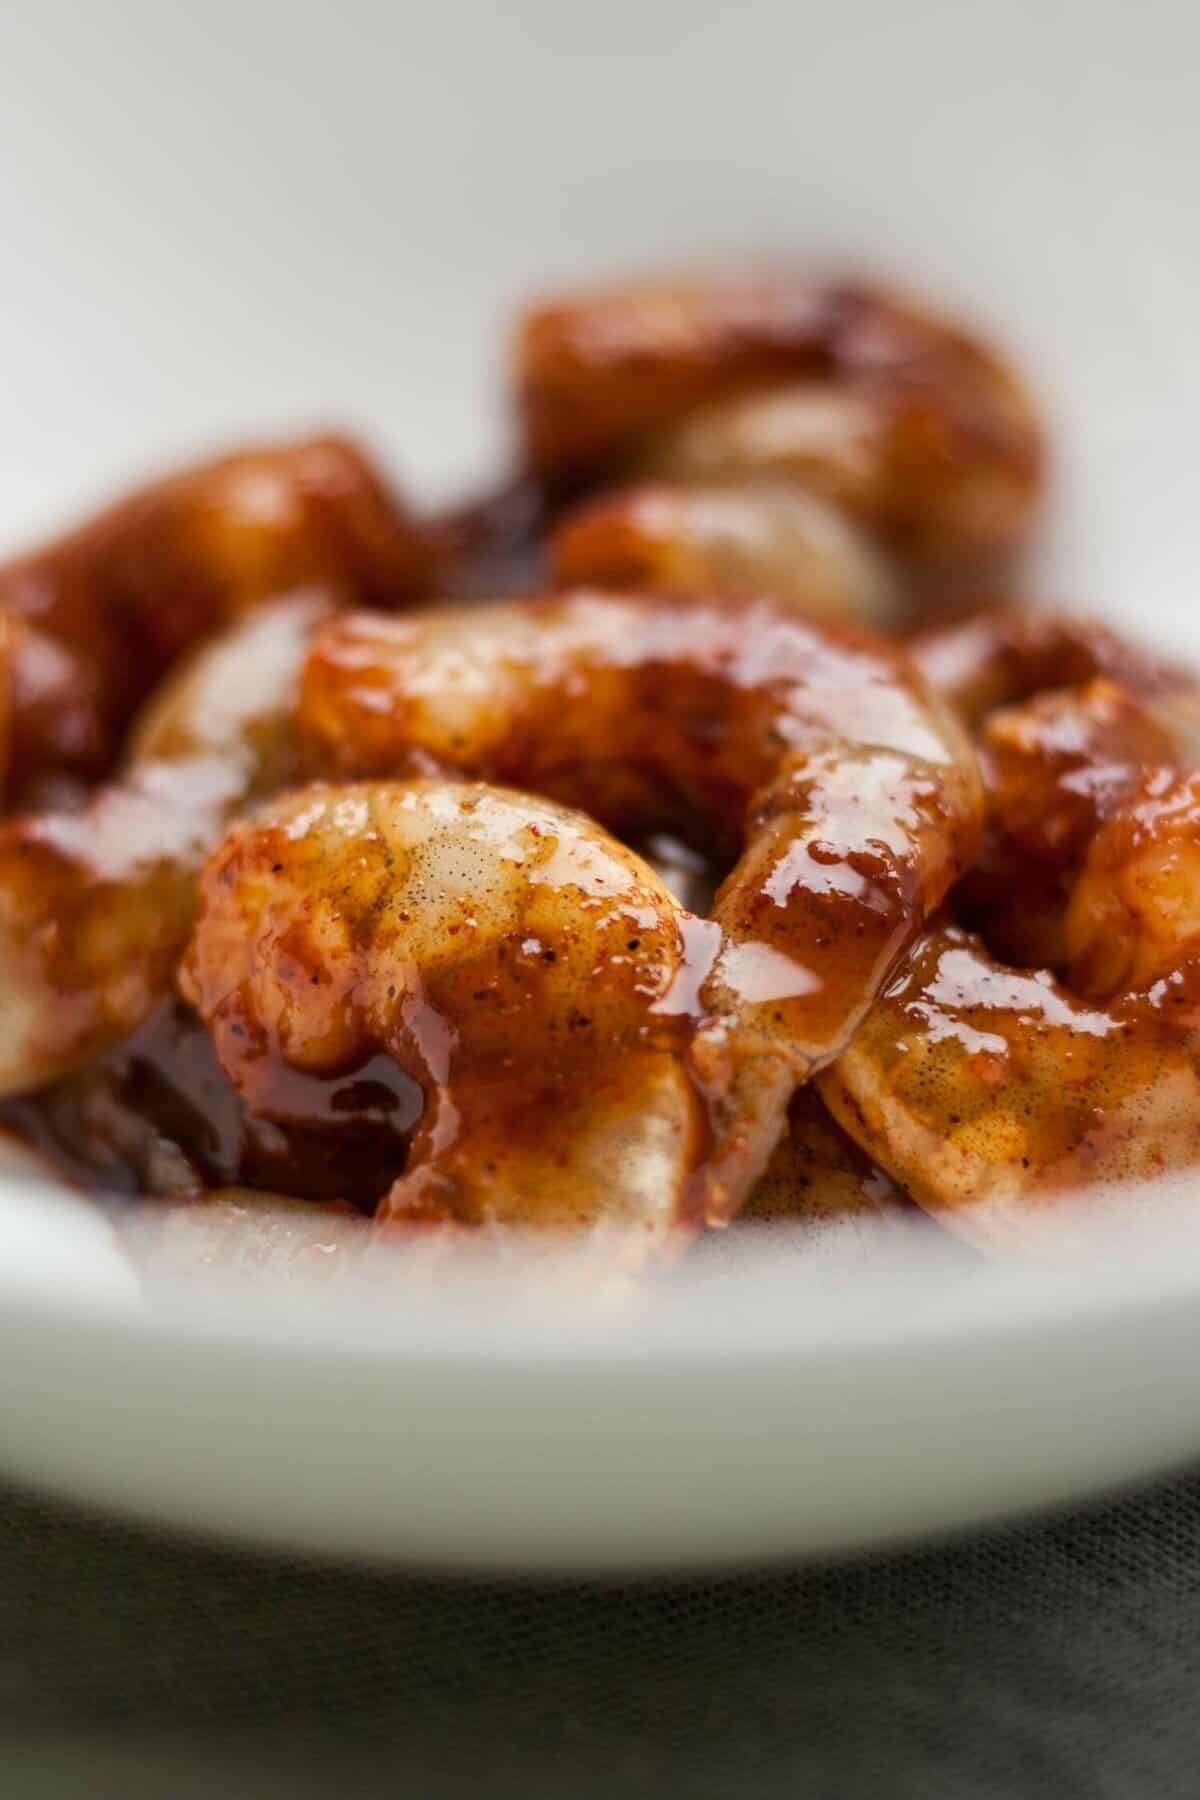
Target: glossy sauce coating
[(900, 417), (95, 907), (1133, 923), (984, 1087), (99, 615), (1006, 654), (987, 1091), (157, 1115), (525, 970), (852, 798), (1053, 769), (469, 1006)]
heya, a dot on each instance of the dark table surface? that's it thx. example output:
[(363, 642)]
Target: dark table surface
[(1059, 1658)]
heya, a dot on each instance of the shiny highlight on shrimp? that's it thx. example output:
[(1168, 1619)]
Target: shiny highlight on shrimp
[(992, 1091), (96, 906), (902, 419), (819, 756), (97, 616), (529, 972)]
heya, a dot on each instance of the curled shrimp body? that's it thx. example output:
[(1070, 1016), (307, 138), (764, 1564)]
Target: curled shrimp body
[(1067, 714), (525, 969), (990, 1092), (97, 616), (902, 419), (815, 759), (95, 906), (1133, 922), (1057, 765), (744, 539), (1053, 769), (984, 1087)]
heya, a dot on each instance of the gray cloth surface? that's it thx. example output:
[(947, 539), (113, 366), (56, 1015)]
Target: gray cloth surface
[(1058, 1658)]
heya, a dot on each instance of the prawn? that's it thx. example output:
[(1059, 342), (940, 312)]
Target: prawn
[(816, 759), (1066, 714), (1010, 653), (1133, 920), (528, 971), (1053, 769), (99, 615), (742, 539), (990, 1093), (95, 907), (908, 424), (983, 1087)]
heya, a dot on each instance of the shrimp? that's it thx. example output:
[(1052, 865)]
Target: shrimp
[(95, 907), (747, 540), (98, 616), (901, 419), (852, 799), (1133, 921), (1055, 753), (155, 1114), (1053, 769), (1010, 653), (990, 1093), (981, 1086), (529, 972)]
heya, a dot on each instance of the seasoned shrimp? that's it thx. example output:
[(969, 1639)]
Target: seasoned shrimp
[(990, 1093), (1053, 769), (1008, 654), (97, 616), (529, 972), (981, 1086), (903, 420), (1055, 753), (1133, 923), (851, 796), (95, 907), (156, 1114), (746, 539)]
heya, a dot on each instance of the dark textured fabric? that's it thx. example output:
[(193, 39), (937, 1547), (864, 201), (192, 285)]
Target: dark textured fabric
[(1058, 1658)]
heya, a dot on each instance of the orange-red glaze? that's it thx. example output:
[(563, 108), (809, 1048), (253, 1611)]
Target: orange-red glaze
[(97, 616), (528, 972), (991, 1093), (95, 905), (157, 1114), (819, 753), (990, 1090), (906, 421), (1133, 923), (1006, 654)]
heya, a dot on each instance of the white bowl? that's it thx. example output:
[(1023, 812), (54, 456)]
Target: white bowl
[(225, 220)]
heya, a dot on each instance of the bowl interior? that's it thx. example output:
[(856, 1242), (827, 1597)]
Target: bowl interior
[(221, 223)]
